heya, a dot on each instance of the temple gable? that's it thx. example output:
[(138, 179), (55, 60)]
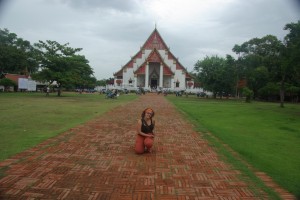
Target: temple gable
[(153, 66)]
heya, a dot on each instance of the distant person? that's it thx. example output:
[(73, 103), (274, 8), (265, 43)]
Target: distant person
[(145, 132), (47, 91)]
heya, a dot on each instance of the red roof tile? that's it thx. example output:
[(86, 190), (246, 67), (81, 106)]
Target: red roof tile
[(15, 77)]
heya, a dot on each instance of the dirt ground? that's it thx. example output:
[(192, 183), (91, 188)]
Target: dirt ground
[(97, 161)]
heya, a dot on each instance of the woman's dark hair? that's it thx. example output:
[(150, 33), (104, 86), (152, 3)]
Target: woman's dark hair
[(144, 112)]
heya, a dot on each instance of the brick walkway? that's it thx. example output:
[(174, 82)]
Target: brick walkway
[(97, 161)]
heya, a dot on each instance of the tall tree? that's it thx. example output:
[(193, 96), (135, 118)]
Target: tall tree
[(60, 64), (291, 55), (16, 55), (215, 74), (261, 60)]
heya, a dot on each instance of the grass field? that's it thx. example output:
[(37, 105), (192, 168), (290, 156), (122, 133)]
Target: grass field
[(265, 135), (26, 119)]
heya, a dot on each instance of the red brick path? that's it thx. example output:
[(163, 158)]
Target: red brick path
[(97, 161)]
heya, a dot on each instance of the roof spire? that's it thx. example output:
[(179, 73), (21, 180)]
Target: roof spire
[(155, 26)]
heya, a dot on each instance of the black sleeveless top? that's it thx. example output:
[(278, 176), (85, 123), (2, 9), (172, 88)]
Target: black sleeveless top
[(147, 128)]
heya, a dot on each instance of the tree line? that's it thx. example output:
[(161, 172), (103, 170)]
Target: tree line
[(46, 61), (265, 69)]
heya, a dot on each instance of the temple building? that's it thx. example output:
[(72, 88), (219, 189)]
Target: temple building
[(154, 66)]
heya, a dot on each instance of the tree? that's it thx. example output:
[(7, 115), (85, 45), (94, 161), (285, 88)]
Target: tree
[(269, 91), (269, 60), (102, 82), (229, 75), (262, 61), (248, 94), (291, 56), (110, 81), (60, 64), (292, 44), (16, 55), (215, 74)]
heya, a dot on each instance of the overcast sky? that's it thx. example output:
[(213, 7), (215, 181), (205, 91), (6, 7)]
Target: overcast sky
[(111, 31)]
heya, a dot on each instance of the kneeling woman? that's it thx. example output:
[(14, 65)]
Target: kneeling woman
[(145, 132)]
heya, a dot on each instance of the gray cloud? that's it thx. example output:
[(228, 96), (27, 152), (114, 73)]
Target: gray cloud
[(110, 31), (112, 5)]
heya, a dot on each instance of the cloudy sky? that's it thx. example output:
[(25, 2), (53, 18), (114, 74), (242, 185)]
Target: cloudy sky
[(111, 31)]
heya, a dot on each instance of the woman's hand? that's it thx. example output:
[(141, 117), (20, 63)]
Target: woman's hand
[(150, 135)]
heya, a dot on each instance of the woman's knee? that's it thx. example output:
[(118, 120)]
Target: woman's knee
[(148, 142)]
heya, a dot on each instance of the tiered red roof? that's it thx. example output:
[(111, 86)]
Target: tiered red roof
[(154, 56), (154, 42), (167, 71)]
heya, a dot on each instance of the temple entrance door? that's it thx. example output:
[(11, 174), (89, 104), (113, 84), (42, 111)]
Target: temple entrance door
[(153, 83)]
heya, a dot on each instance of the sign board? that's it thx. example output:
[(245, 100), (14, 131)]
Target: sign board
[(23, 82), (31, 86), (26, 84)]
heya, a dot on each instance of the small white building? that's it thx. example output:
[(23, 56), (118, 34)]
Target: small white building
[(23, 82), (154, 66)]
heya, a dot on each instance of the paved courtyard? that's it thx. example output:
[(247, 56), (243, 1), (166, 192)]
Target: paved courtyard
[(97, 161)]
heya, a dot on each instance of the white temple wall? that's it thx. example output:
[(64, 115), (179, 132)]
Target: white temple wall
[(141, 81), (167, 82), (169, 62), (162, 54), (127, 76), (136, 64), (180, 78)]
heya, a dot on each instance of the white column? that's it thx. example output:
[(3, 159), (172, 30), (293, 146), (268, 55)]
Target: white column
[(147, 76), (161, 75)]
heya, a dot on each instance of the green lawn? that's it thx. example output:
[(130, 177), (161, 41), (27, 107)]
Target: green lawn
[(26, 119), (265, 135)]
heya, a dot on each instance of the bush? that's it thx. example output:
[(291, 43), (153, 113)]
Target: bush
[(248, 94), (269, 91), (7, 83)]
